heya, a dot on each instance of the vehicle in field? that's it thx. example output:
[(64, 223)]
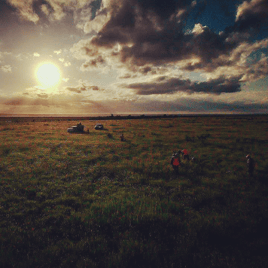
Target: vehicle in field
[(98, 126), (79, 128)]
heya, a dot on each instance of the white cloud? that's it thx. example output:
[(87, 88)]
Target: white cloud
[(36, 54), (198, 28), (58, 51), (6, 68), (67, 63), (45, 9)]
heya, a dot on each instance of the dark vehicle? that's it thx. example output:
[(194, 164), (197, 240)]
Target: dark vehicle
[(79, 128), (99, 126)]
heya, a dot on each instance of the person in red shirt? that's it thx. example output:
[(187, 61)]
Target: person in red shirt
[(185, 154), (175, 162)]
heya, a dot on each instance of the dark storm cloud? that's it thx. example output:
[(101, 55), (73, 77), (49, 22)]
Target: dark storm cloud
[(150, 27), (252, 15), (147, 34), (166, 85), (152, 32), (145, 70)]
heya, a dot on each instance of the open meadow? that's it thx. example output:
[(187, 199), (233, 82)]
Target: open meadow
[(90, 200)]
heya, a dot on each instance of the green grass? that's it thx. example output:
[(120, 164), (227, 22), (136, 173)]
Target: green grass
[(90, 200)]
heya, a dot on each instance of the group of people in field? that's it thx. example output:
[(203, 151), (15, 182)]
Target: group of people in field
[(176, 161)]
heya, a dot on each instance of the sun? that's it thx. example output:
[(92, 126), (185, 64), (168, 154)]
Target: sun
[(48, 74)]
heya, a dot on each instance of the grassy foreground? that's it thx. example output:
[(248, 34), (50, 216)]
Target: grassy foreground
[(90, 200)]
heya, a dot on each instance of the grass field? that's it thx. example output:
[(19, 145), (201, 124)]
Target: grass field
[(90, 200)]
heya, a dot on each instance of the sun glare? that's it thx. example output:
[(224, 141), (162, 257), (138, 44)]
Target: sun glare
[(48, 75)]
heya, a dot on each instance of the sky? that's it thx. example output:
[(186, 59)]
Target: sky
[(82, 57)]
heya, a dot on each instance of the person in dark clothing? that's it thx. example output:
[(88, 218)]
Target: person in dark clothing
[(122, 138), (250, 165)]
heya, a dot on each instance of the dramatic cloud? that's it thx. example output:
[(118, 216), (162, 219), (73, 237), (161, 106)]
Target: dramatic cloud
[(90, 18), (148, 31), (59, 8), (53, 9), (152, 32), (167, 85), (252, 14), (256, 71), (25, 8), (94, 57), (141, 32), (154, 53), (234, 64), (84, 50), (95, 25)]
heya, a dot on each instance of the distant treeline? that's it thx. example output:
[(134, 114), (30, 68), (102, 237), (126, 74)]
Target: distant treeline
[(122, 117)]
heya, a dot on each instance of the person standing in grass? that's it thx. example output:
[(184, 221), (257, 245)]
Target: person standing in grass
[(250, 164), (175, 162), (122, 138), (185, 154)]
